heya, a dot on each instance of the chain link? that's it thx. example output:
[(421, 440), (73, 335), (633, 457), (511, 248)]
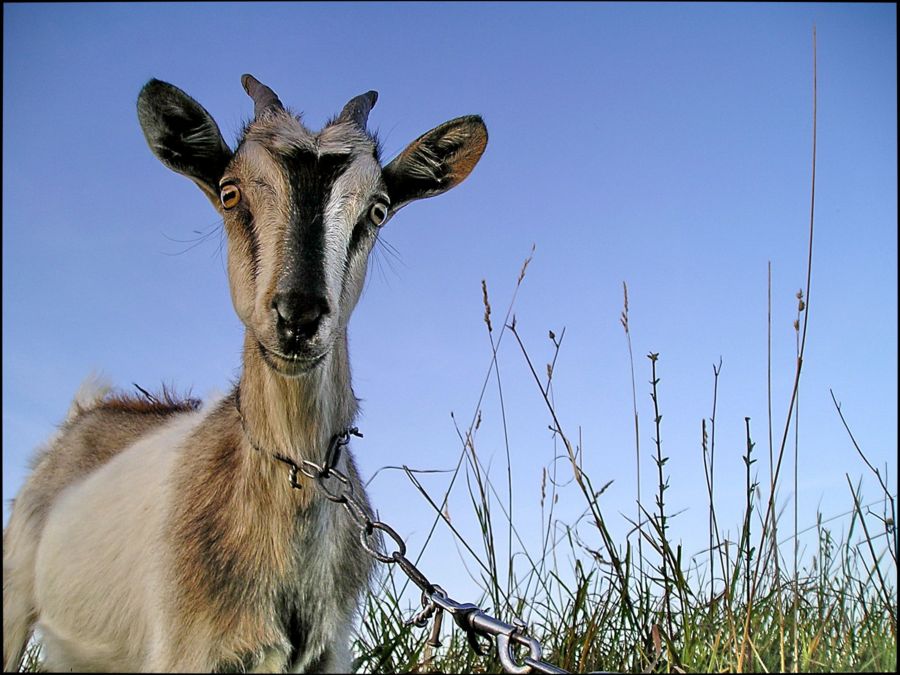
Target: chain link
[(336, 487), (474, 621)]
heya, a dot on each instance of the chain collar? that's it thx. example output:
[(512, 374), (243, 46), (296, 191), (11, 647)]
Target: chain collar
[(435, 601), (309, 469)]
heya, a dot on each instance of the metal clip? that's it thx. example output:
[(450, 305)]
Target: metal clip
[(292, 473), (505, 635), (434, 639), (420, 619), (462, 613), (507, 659), (333, 453)]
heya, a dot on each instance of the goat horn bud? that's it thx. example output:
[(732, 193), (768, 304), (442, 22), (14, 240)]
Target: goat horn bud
[(358, 108), (263, 97)]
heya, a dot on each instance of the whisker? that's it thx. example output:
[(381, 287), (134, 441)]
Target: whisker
[(196, 241)]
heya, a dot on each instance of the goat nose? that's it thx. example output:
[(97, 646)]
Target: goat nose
[(299, 314)]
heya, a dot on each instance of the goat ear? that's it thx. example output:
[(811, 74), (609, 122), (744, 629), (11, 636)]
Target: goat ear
[(436, 161), (183, 135)]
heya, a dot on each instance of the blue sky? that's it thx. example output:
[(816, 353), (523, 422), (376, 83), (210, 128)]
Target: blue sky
[(666, 146)]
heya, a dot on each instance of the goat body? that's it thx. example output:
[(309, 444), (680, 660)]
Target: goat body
[(159, 535)]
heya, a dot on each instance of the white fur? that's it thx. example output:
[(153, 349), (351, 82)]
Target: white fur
[(108, 600)]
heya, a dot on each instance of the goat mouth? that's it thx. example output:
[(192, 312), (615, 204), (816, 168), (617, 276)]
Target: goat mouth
[(290, 365)]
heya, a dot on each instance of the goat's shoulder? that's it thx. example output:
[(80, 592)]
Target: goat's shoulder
[(97, 428)]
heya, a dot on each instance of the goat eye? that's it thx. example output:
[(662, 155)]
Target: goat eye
[(230, 196), (378, 213)]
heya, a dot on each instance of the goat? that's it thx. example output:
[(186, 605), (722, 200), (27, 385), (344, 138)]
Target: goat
[(159, 535)]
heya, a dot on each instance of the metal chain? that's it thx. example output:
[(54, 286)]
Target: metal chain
[(336, 487)]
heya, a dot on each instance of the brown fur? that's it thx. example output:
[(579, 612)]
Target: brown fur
[(240, 542), (164, 404)]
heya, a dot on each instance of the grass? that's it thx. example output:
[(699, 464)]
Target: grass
[(641, 606)]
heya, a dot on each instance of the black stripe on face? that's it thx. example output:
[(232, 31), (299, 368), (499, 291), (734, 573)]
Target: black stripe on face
[(311, 179)]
